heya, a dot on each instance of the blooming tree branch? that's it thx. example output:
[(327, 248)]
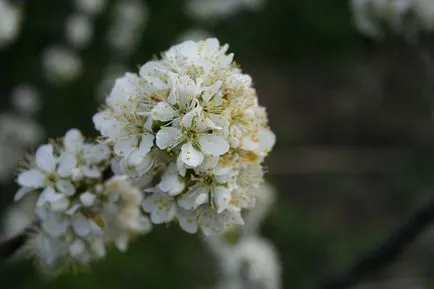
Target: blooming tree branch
[(185, 140), (387, 251)]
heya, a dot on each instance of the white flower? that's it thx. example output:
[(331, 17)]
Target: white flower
[(161, 206), (26, 100), (79, 30), (61, 64), (10, 22), (212, 10), (90, 7), (129, 20), (261, 262)]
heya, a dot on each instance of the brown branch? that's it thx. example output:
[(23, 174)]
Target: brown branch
[(386, 252)]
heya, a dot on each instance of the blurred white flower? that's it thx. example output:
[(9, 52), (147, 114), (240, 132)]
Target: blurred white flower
[(10, 22), (61, 64), (26, 100), (210, 10), (79, 212), (90, 7), (17, 135), (129, 20), (375, 17), (265, 195), (79, 30), (191, 121)]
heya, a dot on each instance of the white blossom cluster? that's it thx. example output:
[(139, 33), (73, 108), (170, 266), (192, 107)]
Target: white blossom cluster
[(374, 17), (245, 259), (210, 10), (189, 131), (10, 22), (78, 210)]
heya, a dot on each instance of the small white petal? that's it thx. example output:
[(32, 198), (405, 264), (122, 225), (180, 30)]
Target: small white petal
[(88, 199), (22, 192), (77, 248), (73, 140), (187, 221), (55, 226), (65, 187), (92, 173), (215, 145), (49, 195), (121, 242), (196, 197), (60, 205), (81, 225), (32, 179), (67, 163), (191, 156), (45, 158), (171, 182), (124, 147), (167, 137), (98, 247), (222, 197), (146, 143), (163, 111), (96, 153)]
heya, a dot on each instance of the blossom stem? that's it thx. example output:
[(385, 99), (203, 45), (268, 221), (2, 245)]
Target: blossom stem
[(387, 251)]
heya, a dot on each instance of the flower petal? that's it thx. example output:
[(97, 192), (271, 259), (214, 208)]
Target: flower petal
[(146, 143), (55, 226), (163, 111), (125, 146), (197, 196), (215, 145), (22, 192), (67, 164), (88, 199), (32, 179), (191, 156), (187, 221), (45, 158), (81, 225), (167, 137), (73, 140), (171, 182), (65, 187), (222, 197)]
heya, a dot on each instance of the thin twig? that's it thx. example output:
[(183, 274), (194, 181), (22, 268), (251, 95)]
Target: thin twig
[(10, 246), (386, 252)]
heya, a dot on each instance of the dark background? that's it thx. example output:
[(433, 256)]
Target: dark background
[(353, 119)]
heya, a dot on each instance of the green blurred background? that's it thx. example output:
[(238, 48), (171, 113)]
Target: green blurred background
[(353, 119)]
